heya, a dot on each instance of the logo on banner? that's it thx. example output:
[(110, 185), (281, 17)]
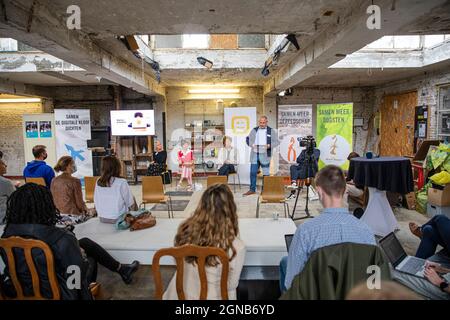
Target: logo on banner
[(75, 154), (290, 148), (334, 149), (240, 125)]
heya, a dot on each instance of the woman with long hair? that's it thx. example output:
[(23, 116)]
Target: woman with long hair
[(112, 195), (67, 194), (213, 224), (31, 213)]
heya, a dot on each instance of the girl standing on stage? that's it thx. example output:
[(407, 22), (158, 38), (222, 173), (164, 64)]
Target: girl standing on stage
[(186, 163)]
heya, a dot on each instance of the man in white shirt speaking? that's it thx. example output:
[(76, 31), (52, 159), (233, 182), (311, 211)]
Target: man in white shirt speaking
[(262, 139)]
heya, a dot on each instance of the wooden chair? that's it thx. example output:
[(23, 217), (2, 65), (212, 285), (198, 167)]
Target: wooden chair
[(89, 188), (180, 253), (153, 192), (27, 246), (273, 192), (216, 180), (40, 181)]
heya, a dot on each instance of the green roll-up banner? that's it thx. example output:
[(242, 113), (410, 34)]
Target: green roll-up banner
[(335, 133)]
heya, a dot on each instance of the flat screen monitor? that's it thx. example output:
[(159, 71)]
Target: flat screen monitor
[(132, 123)]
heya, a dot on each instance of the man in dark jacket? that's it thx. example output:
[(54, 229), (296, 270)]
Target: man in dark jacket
[(38, 168), (262, 139), (302, 169)]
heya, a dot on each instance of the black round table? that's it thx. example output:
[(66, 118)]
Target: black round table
[(381, 174)]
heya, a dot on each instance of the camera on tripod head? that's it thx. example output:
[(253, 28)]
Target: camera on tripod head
[(308, 142)]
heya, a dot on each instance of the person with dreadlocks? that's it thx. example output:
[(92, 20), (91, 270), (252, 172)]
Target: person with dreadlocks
[(31, 213)]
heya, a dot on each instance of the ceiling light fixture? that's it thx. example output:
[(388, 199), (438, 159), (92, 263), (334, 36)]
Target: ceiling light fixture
[(290, 38), (20, 100), (214, 90)]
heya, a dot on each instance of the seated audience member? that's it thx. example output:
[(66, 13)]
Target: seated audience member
[(38, 168), (388, 290), (333, 226), (437, 272), (6, 188), (1, 155), (302, 169), (158, 165), (213, 224), (67, 194), (353, 192), (227, 157), (112, 195), (31, 213), (186, 164)]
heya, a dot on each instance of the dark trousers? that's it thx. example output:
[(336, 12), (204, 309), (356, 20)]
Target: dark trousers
[(434, 232), (96, 254), (226, 169)]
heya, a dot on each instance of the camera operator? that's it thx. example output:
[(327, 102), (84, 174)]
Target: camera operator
[(307, 161)]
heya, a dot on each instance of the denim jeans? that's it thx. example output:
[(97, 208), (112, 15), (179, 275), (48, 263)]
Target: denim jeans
[(259, 160), (434, 232), (283, 268)]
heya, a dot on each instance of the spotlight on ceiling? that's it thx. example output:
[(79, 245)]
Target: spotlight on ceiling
[(286, 93), (205, 62), (272, 60)]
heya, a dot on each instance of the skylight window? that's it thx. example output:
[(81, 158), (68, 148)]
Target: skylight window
[(195, 41)]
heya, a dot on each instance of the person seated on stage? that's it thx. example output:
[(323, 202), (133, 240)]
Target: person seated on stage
[(227, 158), (186, 163), (67, 194), (112, 195), (158, 165), (31, 213), (6, 189), (38, 168), (437, 273), (213, 224), (353, 193), (333, 226), (302, 170)]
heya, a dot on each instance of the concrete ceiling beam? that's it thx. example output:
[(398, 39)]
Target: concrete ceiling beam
[(45, 31), (345, 37)]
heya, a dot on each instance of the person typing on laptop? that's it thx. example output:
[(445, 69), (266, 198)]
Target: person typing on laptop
[(434, 284)]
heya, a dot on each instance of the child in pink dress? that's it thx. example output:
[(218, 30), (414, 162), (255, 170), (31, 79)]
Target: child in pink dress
[(186, 163)]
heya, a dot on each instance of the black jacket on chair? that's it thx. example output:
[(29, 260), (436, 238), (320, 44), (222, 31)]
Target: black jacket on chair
[(66, 252)]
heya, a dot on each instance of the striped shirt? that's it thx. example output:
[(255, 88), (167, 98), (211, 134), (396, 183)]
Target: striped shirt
[(332, 226)]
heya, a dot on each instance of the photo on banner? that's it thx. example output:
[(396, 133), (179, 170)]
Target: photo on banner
[(335, 133), (73, 130), (238, 124), (294, 123)]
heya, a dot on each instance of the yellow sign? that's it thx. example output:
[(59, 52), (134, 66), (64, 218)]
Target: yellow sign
[(240, 125)]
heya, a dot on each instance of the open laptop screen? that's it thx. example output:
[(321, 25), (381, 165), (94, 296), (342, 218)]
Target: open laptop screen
[(393, 249), (288, 239)]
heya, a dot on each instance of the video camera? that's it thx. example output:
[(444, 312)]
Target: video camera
[(308, 142)]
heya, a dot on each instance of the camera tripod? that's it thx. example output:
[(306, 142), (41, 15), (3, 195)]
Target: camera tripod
[(309, 162)]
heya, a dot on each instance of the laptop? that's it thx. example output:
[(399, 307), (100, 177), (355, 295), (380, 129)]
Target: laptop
[(288, 240), (398, 257)]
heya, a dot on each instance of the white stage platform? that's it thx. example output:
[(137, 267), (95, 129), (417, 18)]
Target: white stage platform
[(264, 240)]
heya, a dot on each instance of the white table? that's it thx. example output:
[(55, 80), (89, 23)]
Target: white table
[(378, 214), (264, 240)]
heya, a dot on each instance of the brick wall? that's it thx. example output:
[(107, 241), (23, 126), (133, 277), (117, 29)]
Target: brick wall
[(427, 87), (11, 136)]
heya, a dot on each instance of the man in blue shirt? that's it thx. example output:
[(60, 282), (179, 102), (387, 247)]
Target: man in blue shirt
[(38, 168), (333, 226)]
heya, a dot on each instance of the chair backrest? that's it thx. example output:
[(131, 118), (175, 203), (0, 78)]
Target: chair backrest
[(216, 180), (40, 181), (152, 189), (180, 253), (273, 188), (89, 188), (27, 245)]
